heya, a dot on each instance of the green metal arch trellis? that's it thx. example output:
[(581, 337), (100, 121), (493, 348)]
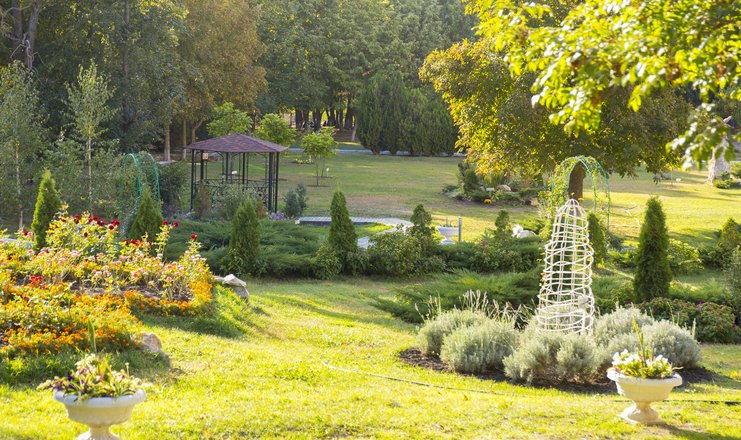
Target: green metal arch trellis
[(594, 169), (144, 170)]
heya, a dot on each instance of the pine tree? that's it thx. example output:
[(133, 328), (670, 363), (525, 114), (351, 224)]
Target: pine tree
[(48, 205), (653, 274), (244, 243), (597, 238), (148, 218), (342, 237)]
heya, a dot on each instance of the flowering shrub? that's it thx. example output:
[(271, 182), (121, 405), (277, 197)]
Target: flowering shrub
[(94, 377), (712, 322), (81, 289), (43, 319), (85, 251)]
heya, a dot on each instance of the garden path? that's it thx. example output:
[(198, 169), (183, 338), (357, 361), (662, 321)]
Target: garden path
[(363, 242)]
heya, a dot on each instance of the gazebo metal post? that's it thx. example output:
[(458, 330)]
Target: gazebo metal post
[(277, 168), (202, 166), (270, 182), (243, 168)]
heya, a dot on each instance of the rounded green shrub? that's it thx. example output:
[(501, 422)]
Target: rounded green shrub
[(619, 322), (553, 358), (395, 253), (673, 342), (479, 348), (326, 264), (430, 336)]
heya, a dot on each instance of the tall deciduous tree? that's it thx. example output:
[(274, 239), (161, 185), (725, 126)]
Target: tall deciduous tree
[(228, 120), (582, 52), (21, 135), (87, 101), (218, 47), (274, 128), (501, 129)]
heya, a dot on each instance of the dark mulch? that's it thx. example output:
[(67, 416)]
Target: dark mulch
[(414, 357)]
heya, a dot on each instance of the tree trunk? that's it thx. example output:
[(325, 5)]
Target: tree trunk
[(354, 132), (33, 24), (184, 138), (89, 160), (167, 143), (18, 184), (125, 68), (299, 120), (23, 38), (349, 115), (193, 129), (576, 182)]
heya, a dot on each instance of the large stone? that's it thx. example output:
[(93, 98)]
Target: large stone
[(504, 188), (238, 286), (525, 233), (149, 342)]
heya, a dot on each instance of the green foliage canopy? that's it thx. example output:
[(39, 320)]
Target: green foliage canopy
[(582, 53)]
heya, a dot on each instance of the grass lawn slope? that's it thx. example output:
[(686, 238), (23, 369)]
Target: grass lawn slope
[(261, 371)]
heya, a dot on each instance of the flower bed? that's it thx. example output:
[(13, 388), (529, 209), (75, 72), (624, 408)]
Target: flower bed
[(87, 283)]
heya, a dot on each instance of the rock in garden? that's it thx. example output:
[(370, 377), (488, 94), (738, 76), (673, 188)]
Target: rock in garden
[(504, 188), (516, 229), (525, 233), (149, 342), (238, 286)]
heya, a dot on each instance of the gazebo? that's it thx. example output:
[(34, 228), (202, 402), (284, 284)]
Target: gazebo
[(237, 151)]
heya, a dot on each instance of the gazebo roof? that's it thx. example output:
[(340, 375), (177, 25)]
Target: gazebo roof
[(237, 143)]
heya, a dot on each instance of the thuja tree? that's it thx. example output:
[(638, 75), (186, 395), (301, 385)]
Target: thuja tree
[(342, 237), (48, 205), (653, 274), (148, 220), (244, 243)]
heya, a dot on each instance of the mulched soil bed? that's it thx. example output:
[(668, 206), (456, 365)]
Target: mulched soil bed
[(414, 357)]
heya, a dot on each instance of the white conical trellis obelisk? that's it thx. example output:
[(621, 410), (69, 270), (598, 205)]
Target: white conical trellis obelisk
[(566, 303)]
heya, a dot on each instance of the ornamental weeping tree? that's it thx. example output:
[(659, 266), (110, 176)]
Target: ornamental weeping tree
[(87, 102)]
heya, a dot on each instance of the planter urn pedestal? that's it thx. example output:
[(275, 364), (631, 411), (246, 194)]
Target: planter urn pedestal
[(643, 392), (448, 232), (100, 413)]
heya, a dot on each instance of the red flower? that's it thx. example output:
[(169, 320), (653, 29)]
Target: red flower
[(175, 224), (164, 223), (101, 223), (193, 236), (116, 223), (111, 227), (84, 234)]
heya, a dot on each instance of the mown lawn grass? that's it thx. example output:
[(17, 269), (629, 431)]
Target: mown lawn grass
[(392, 186), (267, 376)]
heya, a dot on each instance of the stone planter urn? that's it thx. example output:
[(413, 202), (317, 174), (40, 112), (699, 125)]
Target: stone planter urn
[(643, 392), (99, 413), (448, 232)]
